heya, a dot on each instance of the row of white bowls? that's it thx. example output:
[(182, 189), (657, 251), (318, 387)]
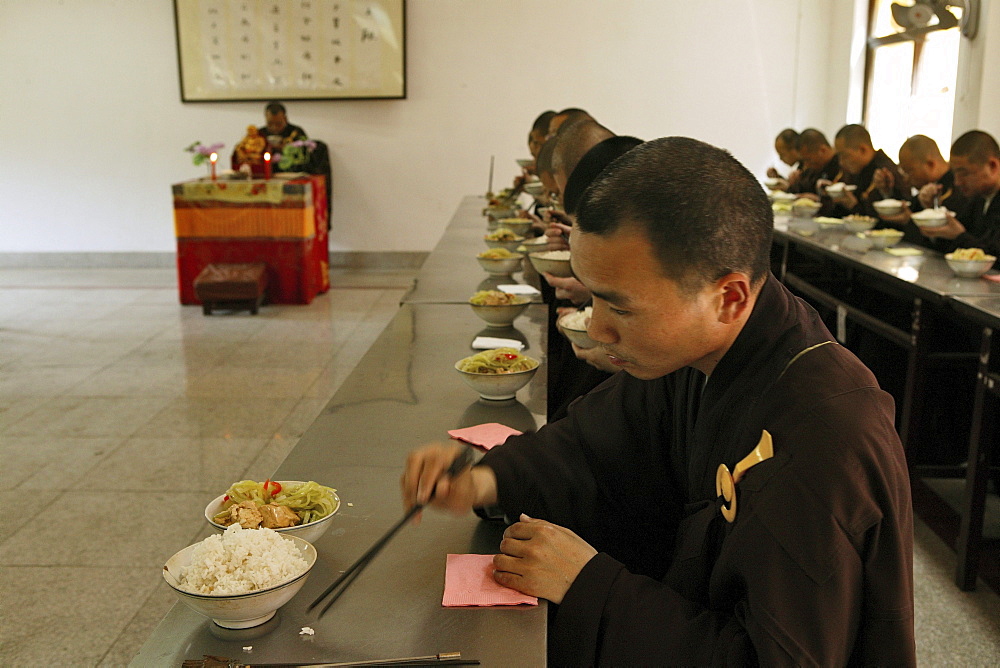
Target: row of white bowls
[(240, 611), (538, 259)]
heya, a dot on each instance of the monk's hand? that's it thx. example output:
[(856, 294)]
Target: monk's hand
[(425, 480), (884, 181), (540, 559), (595, 357), (898, 219), (846, 199), (928, 193), (556, 237), (950, 230), (568, 288), (793, 177), (772, 173), (821, 185)]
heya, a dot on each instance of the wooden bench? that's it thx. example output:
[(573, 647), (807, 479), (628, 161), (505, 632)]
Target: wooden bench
[(234, 287)]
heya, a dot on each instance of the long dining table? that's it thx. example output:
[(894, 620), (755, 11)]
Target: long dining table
[(919, 280), (403, 392)]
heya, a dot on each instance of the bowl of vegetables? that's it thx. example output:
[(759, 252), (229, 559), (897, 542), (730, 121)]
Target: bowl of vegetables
[(500, 261), (290, 507), (503, 238), (882, 239), (497, 374), (969, 262), (498, 308), (516, 225)]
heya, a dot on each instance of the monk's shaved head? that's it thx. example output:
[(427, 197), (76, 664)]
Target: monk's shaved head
[(855, 135), (977, 146), (811, 139), (572, 143), (921, 147)]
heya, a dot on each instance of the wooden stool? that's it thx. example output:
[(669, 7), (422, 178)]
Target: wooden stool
[(231, 286)]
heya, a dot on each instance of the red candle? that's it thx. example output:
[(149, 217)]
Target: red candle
[(267, 164), (213, 158)]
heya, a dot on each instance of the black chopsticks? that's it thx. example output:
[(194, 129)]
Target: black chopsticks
[(443, 659), (347, 577)]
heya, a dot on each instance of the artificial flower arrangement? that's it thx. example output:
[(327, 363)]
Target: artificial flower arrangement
[(202, 152), (294, 154)]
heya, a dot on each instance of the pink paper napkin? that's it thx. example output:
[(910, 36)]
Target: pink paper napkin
[(468, 580), (992, 277), (486, 436)]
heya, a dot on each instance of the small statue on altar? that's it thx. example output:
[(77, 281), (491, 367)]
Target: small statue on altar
[(250, 150)]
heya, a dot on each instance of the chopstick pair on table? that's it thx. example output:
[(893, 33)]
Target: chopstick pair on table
[(443, 659), (347, 577)]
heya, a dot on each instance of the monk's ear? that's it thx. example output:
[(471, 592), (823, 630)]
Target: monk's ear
[(735, 297)]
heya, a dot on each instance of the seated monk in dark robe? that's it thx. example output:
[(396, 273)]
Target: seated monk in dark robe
[(819, 162), (975, 162), (872, 173), (928, 173), (739, 495)]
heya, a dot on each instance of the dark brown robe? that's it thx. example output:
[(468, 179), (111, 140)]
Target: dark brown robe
[(866, 192), (950, 198), (982, 228), (808, 179), (816, 569)]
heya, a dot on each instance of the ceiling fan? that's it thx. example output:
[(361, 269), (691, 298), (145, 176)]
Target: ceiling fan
[(916, 19)]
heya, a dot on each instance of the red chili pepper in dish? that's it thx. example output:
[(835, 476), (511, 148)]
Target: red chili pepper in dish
[(510, 356), (225, 498), (275, 487)]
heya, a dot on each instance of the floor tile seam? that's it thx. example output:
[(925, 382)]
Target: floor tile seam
[(86, 287), (98, 371), (152, 592), (30, 525)]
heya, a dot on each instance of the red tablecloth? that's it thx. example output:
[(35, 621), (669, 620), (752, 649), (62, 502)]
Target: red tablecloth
[(280, 222)]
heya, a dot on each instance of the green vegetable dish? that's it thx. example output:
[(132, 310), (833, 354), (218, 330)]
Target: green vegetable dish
[(310, 501), (498, 360)]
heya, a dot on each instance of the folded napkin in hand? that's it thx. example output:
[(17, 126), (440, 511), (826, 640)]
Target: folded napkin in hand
[(486, 436), (468, 580), (517, 289), (490, 342)]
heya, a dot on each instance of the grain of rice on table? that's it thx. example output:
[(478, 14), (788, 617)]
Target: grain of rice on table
[(241, 561)]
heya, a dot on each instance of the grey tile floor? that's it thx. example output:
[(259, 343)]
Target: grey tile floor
[(122, 413)]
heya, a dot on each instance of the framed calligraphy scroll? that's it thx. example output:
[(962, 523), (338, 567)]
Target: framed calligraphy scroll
[(244, 50)]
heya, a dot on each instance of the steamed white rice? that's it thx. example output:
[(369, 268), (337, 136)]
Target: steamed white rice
[(554, 255), (241, 561), (577, 319)]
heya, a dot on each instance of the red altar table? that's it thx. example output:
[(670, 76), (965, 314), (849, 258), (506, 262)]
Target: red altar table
[(281, 222)]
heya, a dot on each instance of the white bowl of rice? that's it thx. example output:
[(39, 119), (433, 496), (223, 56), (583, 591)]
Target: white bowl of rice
[(310, 531), (553, 262), (574, 326), (240, 578)]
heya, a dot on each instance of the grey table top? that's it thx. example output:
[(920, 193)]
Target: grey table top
[(404, 392), (983, 310), (926, 275), (451, 273)]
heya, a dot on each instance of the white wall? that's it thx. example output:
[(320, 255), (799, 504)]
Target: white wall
[(94, 126), (977, 91)]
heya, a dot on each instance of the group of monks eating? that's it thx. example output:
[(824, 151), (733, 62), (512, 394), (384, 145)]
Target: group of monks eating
[(731, 489), (964, 185)]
